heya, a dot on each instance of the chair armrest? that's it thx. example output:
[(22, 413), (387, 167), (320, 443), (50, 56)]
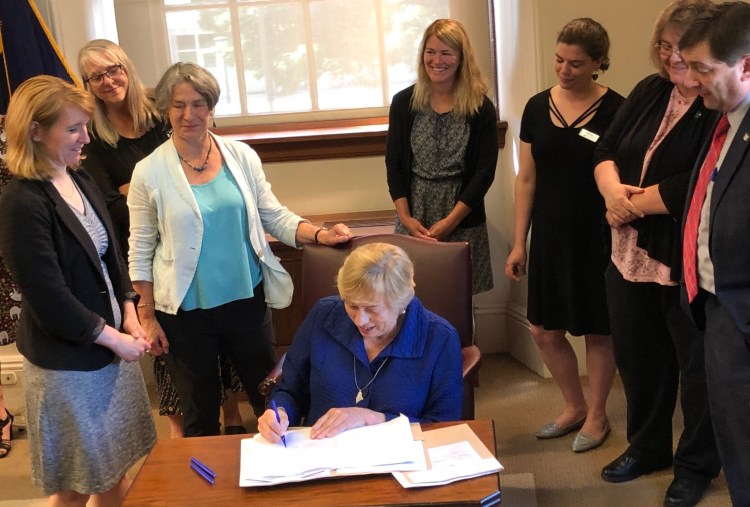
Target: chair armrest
[(272, 379), (471, 358)]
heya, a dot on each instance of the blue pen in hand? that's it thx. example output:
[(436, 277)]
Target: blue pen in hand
[(278, 419)]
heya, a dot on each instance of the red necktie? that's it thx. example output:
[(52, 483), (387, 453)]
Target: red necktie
[(690, 237)]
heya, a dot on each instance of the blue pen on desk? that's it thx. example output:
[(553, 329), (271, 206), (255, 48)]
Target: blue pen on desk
[(194, 461), (202, 470), (278, 419)]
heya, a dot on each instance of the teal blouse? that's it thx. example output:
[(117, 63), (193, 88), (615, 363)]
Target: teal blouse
[(228, 269)]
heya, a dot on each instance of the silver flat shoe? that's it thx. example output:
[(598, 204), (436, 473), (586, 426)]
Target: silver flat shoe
[(554, 430), (584, 442)]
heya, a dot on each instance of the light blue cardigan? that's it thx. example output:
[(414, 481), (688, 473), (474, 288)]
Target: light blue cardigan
[(166, 228)]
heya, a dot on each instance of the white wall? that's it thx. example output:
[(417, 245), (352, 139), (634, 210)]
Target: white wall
[(75, 22)]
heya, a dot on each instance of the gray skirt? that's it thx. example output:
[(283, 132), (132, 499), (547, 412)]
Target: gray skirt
[(86, 428)]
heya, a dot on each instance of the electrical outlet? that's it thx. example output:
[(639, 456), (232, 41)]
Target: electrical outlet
[(9, 378)]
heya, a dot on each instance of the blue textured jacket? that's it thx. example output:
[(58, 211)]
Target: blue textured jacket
[(422, 378)]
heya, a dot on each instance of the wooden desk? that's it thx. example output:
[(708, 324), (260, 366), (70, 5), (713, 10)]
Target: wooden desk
[(166, 479)]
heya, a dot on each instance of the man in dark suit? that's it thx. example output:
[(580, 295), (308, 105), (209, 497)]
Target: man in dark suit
[(717, 231)]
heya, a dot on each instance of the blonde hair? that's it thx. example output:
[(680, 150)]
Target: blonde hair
[(469, 86), (377, 269), (105, 53), (679, 14), (40, 100)]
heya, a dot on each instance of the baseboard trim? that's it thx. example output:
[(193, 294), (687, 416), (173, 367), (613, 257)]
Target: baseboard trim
[(522, 347), (11, 362)]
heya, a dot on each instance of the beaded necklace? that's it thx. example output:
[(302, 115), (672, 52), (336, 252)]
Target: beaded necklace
[(198, 168)]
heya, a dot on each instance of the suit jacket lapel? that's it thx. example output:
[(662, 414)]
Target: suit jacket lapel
[(69, 219), (731, 162)]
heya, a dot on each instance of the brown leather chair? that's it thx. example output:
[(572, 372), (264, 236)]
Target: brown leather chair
[(442, 274)]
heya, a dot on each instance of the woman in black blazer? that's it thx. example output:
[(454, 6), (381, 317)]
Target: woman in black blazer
[(88, 412)]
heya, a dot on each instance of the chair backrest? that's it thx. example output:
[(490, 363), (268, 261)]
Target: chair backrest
[(442, 274)]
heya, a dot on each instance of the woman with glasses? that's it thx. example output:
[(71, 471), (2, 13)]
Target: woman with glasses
[(127, 127), (556, 192), (642, 168), (442, 148)]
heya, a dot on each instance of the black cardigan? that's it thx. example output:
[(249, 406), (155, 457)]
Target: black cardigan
[(53, 260), (626, 141), (111, 167), (480, 159)]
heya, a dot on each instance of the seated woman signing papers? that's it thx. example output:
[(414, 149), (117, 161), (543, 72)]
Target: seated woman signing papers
[(390, 356)]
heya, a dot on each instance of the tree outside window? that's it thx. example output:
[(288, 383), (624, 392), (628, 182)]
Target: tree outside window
[(280, 56)]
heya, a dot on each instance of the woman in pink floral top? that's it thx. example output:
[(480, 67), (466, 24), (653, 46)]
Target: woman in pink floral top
[(642, 168)]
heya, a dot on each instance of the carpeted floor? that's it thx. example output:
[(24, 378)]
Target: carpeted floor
[(544, 473), (520, 402)]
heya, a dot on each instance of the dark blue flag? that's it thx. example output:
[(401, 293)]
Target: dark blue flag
[(27, 48)]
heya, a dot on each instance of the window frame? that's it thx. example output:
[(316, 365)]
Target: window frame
[(332, 134), (246, 117)]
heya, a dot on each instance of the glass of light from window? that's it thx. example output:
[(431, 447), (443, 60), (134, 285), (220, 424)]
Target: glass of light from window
[(112, 72)]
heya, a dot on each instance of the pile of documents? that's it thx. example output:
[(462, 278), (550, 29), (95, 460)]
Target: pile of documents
[(453, 454), (395, 446)]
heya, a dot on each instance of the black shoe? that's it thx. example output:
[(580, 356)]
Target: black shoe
[(235, 430), (625, 468), (684, 493), (5, 445)]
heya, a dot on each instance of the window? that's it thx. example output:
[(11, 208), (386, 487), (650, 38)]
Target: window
[(301, 56)]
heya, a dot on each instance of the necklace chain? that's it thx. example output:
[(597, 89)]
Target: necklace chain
[(360, 397), (198, 168), (71, 193)]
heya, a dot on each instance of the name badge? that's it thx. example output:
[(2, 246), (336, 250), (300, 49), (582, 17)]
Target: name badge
[(586, 134)]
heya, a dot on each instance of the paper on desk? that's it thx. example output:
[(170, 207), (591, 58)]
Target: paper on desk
[(418, 463), (449, 463), (454, 453), (380, 448)]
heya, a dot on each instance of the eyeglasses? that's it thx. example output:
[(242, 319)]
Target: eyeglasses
[(666, 48), (111, 72)]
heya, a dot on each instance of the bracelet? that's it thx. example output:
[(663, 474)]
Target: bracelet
[(315, 238), (143, 305)]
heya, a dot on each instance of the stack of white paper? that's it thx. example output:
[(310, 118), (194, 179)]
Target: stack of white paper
[(381, 448), (449, 463)]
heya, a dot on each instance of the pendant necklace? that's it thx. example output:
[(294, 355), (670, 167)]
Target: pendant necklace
[(198, 168), (360, 397)]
